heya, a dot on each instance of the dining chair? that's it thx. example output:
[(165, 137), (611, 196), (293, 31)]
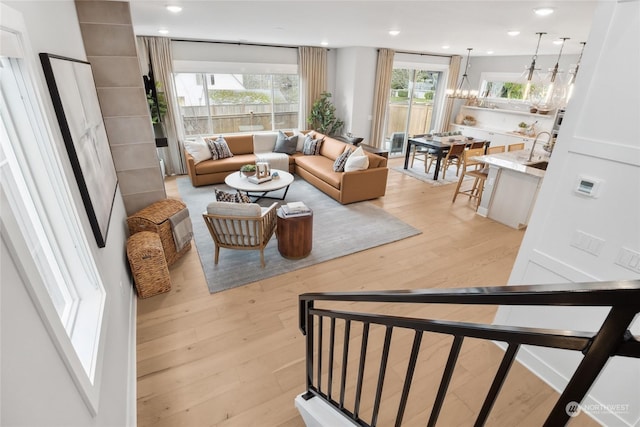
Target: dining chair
[(453, 158), (472, 168), (516, 147), (496, 149), (424, 154), (477, 144)]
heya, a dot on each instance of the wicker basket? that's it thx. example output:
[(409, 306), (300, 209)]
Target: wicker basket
[(155, 218), (148, 265)]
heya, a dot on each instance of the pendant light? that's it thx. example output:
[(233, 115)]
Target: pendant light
[(531, 76), (554, 88), (573, 74), (463, 91)]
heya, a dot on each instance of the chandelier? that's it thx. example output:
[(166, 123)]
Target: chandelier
[(463, 91), (573, 74)]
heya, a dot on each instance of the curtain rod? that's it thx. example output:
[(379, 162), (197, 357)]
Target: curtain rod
[(235, 43), (423, 54)]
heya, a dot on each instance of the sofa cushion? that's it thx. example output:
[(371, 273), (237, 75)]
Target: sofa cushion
[(301, 139), (219, 148), (286, 144), (338, 165), (198, 149), (264, 142), (240, 144), (332, 148), (224, 165), (321, 167), (312, 146), (358, 160)]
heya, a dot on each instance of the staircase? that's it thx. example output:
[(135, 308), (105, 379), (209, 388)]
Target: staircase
[(363, 350)]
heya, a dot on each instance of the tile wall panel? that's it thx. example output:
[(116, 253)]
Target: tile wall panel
[(110, 46)]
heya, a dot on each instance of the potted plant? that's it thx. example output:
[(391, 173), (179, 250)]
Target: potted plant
[(248, 170), (323, 116)]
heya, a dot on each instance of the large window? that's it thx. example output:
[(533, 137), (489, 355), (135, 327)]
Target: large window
[(411, 105), (227, 103)]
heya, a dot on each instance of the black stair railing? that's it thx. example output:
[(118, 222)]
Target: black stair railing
[(612, 339)]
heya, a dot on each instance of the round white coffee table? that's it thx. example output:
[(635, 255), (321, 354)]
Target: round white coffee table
[(240, 182)]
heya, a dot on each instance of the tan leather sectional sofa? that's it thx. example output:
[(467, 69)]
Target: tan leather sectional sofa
[(345, 187)]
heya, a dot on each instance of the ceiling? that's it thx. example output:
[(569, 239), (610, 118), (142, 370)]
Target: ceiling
[(425, 26)]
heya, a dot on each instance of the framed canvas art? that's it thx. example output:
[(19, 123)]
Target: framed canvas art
[(75, 100)]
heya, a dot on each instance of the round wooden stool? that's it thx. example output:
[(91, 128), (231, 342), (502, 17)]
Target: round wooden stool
[(295, 235)]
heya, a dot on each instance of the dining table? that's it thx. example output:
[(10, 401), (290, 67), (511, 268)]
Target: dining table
[(440, 149)]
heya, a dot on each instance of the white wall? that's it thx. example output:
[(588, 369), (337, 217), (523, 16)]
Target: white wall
[(599, 138), (35, 386), (353, 97)]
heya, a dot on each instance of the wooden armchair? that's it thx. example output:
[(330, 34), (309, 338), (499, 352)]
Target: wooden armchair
[(244, 226)]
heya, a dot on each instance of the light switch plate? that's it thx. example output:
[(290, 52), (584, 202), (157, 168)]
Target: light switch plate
[(629, 259)]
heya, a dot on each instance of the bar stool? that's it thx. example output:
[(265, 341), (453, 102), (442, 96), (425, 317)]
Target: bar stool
[(472, 168), (516, 147)]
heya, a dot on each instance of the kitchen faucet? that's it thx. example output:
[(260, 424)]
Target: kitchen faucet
[(535, 141)]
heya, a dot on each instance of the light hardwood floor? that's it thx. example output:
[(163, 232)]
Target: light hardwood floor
[(236, 358)]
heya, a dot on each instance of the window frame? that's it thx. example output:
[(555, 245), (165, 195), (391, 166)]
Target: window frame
[(40, 222)]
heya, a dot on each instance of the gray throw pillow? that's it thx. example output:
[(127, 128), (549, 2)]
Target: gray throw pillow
[(286, 144), (219, 148), (338, 165)]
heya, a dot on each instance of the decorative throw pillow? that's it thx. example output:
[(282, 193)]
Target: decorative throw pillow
[(238, 197), (242, 197), (286, 144), (311, 146), (338, 165), (198, 149), (219, 148), (223, 196), (357, 161)]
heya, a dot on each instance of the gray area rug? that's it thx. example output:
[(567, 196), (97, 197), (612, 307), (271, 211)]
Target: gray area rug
[(417, 172), (338, 230)]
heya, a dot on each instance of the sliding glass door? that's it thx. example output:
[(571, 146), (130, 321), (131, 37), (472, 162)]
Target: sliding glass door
[(411, 107)]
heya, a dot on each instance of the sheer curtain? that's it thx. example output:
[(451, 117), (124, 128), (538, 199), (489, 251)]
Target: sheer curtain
[(452, 82), (312, 64), (384, 70), (158, 49)]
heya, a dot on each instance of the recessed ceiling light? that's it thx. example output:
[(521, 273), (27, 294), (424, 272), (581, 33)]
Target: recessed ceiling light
[(394, 32), (324, 43), (163, 31), (489, 52), (174, 8), (557, 42), (543, 11), (446, 46), (513, 33)]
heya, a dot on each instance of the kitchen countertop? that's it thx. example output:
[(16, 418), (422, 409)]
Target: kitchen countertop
[(516, 161)]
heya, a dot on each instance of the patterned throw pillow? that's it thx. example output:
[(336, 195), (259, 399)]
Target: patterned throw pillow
[(242, 197), (219, 148), (286, 144), (238, 197), (338, 165), (311, 146), (223, 196)]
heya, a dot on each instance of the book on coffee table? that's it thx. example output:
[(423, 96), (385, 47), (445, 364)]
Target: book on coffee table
[(254, 179)]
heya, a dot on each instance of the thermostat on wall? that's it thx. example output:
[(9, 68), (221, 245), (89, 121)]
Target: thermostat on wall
[(588, 186)]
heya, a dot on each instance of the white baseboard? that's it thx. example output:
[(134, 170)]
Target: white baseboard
[(317, 413)]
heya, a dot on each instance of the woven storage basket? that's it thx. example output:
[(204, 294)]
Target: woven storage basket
[(148, 265), (155, 218)]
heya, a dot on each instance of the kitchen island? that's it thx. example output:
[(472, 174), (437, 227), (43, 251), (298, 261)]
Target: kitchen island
[(512, 186)]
